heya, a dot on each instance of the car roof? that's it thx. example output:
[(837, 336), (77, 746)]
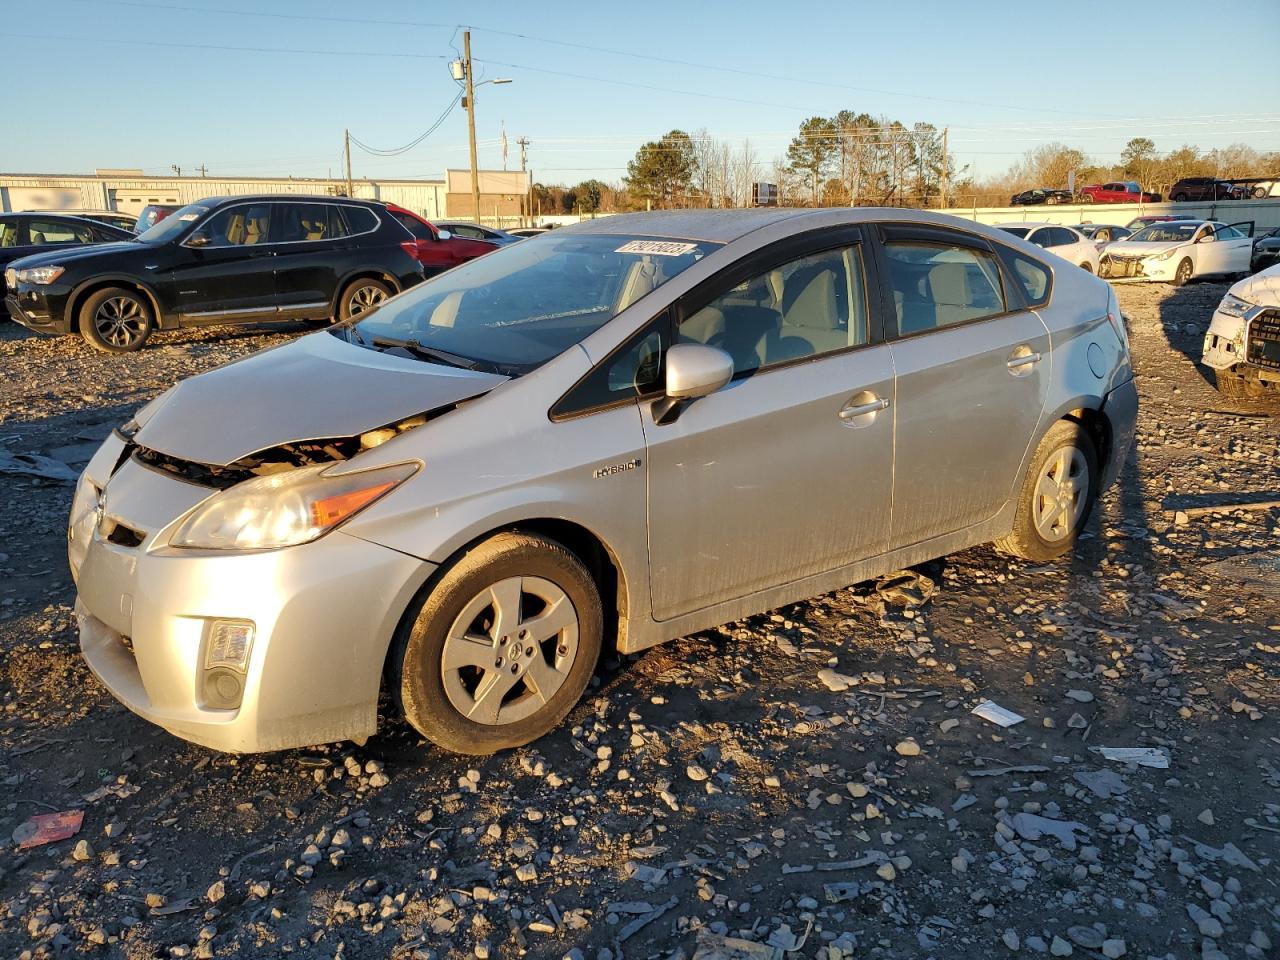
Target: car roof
[(219, 201), (1033, 224), (725, 226)]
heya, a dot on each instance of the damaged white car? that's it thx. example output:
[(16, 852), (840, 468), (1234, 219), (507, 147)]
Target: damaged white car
[(1243, 343), (1179, 251)]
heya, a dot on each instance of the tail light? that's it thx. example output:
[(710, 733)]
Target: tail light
[(410, 247)]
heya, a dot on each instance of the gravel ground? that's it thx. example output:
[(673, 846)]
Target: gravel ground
[(810, 780)]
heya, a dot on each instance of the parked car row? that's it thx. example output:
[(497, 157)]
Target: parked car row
[(479, 500), (222, 260), (1130, 191)]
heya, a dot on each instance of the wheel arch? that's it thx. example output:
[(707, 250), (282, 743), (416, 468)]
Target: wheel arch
[(362, 273), (597, 556), (91, 286)]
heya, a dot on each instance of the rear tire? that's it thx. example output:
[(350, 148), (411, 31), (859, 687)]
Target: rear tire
[(1086, 267), (1057, 495), (1182, 276), (502, 648), (116, 320), (361, 295)]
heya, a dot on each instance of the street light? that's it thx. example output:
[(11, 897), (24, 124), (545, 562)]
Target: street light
[(471, 117)]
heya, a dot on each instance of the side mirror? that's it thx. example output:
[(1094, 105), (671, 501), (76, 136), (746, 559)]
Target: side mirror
[(443, 235), (693, 370), (1207, 238), (198, 239)]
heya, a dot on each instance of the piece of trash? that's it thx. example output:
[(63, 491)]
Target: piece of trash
[(906, 588), (47, 828), (1029, 826), (1102, 783), (1142, 756), (1258, 571), (836, 682), (119, 790), (989, 710), (712, 946), (34, 465)]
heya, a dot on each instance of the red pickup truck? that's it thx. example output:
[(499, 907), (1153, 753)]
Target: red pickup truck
[(1117, 191)]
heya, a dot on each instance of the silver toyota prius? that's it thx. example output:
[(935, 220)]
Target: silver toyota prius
[(610, 435)]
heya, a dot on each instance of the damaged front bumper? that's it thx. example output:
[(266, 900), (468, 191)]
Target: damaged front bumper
[(321, 617), (1249, 342), (1112, 267)]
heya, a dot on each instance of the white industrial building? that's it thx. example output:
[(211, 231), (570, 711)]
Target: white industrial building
[(129, 191)]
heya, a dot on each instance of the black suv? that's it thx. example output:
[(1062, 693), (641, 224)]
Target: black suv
[(1202, 188), (222, 260)]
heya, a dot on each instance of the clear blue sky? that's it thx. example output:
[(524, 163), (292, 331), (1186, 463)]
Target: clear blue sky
[(149, 83)]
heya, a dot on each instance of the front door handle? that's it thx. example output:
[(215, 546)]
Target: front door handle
[(860, 406)]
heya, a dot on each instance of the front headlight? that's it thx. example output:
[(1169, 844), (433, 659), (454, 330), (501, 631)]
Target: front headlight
[(285, 509), (41, 275), (1164, 256), (1234, 306)]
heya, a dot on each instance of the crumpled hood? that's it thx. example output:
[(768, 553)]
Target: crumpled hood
[(1126, 248), (70, 254), (312, 388), (1262, 289)]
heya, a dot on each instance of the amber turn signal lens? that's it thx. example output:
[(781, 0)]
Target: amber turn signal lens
[(330, 510)]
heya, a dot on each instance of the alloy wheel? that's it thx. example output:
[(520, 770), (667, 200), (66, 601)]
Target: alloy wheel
[(120, 321), (510, 650), (1184, 271), (365, 298), (1061, 494)]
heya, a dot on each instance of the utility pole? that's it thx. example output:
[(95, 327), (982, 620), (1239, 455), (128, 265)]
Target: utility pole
[(525, 205), (346, 146), (204, 171), (471, 123), (946, 168)]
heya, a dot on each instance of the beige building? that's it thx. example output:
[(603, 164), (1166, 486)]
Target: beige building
[(129, 191)]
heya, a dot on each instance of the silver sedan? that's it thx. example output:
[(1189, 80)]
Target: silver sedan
[(616, 434)]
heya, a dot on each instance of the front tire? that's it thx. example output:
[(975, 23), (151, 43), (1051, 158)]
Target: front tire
[(1057, 494), (1235, 386), (1182, 276), (360, 296), (1086, 267), (502, 648), (1179, 198), (116, 320), (1086, 198)]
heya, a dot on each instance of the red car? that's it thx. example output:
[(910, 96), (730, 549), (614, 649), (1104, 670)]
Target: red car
[(437, 250), (1117, 191)]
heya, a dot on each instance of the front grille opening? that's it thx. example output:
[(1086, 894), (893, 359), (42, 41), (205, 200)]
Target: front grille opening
[(123, 535)]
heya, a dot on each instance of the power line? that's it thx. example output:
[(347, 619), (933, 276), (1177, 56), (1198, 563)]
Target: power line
[(396, 151)]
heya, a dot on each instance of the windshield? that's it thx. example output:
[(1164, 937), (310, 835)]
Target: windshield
[(1017, 231), (174, 224), (1166, 233), (514, 309)]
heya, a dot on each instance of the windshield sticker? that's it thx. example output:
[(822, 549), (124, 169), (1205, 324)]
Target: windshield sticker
[(661, 248)]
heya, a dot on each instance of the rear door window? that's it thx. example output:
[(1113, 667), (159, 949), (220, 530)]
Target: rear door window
[(1062, 236), (360, 220), (938, 285), (303, 222), (57, 231), (415, 226)]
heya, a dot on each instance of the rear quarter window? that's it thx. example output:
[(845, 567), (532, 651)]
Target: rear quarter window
[(1031, 277), (360, 219)]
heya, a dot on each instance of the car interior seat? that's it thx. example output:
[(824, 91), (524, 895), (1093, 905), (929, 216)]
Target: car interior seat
[(38, 238)]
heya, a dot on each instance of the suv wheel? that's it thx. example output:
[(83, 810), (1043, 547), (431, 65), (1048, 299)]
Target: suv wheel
[(116, 320), (1057, 495), (360, 296), (1179, 198), (502, 648)]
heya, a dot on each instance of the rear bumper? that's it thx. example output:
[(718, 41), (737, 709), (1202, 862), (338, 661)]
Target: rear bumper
[(1121, 409)]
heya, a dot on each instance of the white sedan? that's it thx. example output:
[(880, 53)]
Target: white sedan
[(1179, 250), (1065, 242)]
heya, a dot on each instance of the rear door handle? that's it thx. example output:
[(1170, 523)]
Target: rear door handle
[(862, 409), (1017, 362)]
